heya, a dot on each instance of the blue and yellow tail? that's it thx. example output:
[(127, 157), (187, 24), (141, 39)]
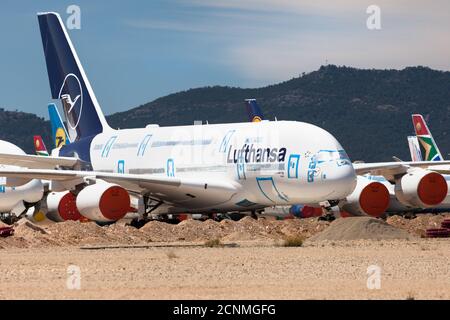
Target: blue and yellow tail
[(59, 132), (253, 110)]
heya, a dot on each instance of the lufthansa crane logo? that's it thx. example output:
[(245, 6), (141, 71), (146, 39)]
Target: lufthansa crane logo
[(71, 94)]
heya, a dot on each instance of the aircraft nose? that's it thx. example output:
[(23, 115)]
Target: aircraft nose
[(341, 181)]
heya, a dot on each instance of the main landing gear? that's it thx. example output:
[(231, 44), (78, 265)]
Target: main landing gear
[(330, 207)]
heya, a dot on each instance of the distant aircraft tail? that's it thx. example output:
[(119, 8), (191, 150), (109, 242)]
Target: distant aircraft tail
[(39, 146), (414, 149), (68, 80), (59, 132), (253, 110), (429, 146)]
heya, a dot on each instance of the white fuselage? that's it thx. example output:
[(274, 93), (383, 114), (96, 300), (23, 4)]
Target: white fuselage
[(271, 163), (15, 192)]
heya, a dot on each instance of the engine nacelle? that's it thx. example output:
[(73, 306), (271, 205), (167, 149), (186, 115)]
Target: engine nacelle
[(421, 188), (103, 202), (369, 198), (62, 206)]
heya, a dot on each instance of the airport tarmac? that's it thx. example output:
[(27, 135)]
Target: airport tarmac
[(418, 269)]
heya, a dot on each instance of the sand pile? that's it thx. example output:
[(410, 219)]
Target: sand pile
[(418, 225), (158, 231), (357, 228), (28, 235), (72, 233), (187, 230)]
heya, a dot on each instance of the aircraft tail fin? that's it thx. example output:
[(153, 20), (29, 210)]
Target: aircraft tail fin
[(59, 132), (68, 80), (253, 110), (429, 146), (39, 146), (414, 149)]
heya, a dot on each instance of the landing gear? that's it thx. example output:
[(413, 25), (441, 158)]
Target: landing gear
[(330, 207), (8, 218), (327, 217), (150, 205), (254, 215)]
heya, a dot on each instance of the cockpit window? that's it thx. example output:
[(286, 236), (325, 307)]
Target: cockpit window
[(332, 155)]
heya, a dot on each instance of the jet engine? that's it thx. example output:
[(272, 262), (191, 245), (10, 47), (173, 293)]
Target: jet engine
[(369, 198), (62, 206), (103, 202), (421, 188)]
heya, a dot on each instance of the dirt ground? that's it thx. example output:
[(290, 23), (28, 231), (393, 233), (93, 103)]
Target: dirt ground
[(328, 270), (35, 263)]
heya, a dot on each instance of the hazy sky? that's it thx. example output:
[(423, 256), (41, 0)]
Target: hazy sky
[(136, 51)]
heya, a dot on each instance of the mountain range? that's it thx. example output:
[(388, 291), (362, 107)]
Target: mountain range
[(367, 110)]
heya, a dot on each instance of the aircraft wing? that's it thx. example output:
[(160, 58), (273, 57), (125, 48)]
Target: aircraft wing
[(391, 169), (441, 168), (37, 162), (185, 192)]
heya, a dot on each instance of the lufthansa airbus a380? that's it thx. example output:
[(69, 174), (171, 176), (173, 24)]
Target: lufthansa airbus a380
[(200, 168), (189, 169)]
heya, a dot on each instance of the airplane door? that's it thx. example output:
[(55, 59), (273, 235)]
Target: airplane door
[(121, 166), (293, 164), (170, 168), (240, 166)]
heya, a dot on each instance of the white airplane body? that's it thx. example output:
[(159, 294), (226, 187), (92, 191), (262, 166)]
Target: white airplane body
[(18, 194), (253, 164)]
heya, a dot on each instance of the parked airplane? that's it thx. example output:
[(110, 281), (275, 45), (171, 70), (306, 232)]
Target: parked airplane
[(211, 168), (398, 203), (20, 196), (430, 150), (432, 153)]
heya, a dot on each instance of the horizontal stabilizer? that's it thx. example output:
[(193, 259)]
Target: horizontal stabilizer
[(37, 162)]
